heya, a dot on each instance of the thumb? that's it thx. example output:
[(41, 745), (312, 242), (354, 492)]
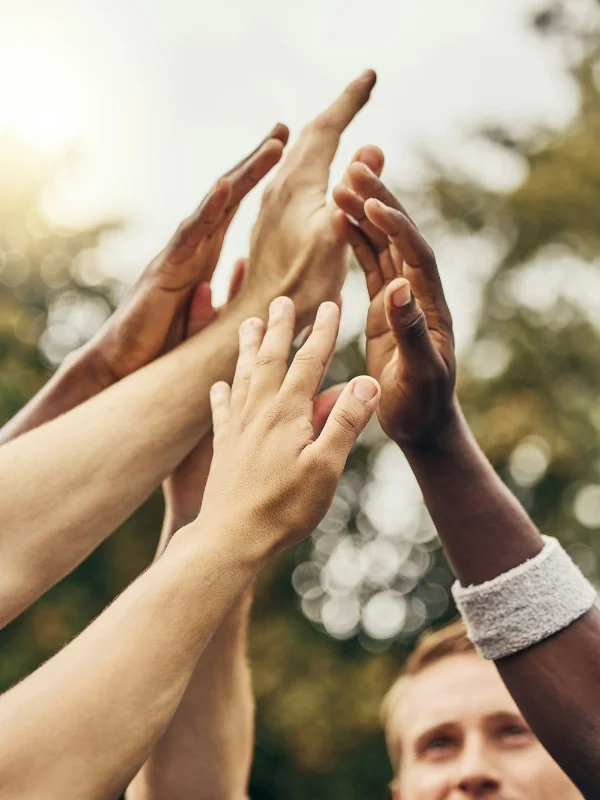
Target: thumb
[(407, 323), (348, 418)]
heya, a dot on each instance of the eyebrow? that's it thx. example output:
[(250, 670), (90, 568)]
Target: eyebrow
[(506, 716), (447, 726)]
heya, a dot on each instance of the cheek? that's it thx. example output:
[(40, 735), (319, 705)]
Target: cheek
[(537, 775), (424, 782)]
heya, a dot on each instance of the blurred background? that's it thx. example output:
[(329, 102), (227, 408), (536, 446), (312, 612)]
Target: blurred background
[(114, 120)]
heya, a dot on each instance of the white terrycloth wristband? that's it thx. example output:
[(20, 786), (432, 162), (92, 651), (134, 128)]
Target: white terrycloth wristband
[(525, 605)]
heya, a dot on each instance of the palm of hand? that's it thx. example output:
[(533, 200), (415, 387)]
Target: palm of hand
[(413, 401), (294, 245), (410, 345), (151, 319), (297, 249)]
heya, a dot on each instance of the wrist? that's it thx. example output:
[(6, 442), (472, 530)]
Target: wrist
[(192, 548), (253, 543), (85, 370), (450, 438), (177, 517)]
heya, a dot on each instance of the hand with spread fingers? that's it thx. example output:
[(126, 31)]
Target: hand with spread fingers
[(272, 478), (184, 488), (294, 245), (151, 319), (410, 344), (208, 743)]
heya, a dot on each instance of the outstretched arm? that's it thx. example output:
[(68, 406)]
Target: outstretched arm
[(485, 532), (151, 319), (63, 482), (206, 750), (84, 723), (295, 251)]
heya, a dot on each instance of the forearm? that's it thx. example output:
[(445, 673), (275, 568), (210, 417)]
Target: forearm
[(79, 377), (70, 482), (206, 750), (485, 532), (84, 723)]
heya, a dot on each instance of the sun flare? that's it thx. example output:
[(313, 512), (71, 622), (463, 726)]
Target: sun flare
[(36, 103)]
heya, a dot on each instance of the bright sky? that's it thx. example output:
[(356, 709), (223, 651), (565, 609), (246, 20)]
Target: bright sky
[(161, 97)]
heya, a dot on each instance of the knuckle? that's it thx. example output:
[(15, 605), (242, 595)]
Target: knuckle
[(179, 240), (265, 360), (278, 193), (240, 386), (308, 129), (219, 431), (348, 420), (415, 326), (273, 416), (246, 418), (324, 124), (272, 192), (306, 357)]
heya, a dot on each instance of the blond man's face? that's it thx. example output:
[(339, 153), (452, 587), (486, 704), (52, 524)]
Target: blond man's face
[(461, 735)]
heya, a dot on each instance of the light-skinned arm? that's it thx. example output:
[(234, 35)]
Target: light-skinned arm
[(83, 724), (151, 318), (65, 480), (484, 530), (144, 424), (206, 750)]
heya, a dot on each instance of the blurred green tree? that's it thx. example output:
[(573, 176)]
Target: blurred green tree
[(529, 379)]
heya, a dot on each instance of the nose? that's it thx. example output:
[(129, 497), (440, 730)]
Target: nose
[(477, 775), (480, 785)]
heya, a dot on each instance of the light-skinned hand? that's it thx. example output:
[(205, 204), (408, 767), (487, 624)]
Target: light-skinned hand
[(294, 245), (272, 478)]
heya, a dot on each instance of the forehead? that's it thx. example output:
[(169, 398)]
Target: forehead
[(460, 689)]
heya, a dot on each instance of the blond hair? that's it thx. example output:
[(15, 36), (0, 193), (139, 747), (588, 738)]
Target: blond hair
[(431, 647)]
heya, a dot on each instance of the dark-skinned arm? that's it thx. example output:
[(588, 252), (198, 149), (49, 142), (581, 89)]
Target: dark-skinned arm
[(484, 530)]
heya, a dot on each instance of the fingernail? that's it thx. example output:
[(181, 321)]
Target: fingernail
[(401, 296), (248, 328), (367, 170), (327, 312), (218, 388), (277, 307), (364, 390)]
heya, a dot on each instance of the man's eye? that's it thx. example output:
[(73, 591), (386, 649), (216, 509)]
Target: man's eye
[(512, 731), (439, 743)]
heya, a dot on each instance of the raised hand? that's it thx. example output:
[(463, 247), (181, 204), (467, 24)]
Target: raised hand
[(410, 345), (184, 488), (151, 318), (272, 478), (294, 244)]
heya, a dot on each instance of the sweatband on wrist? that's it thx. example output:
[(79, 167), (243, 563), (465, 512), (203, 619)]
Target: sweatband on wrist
[(525, 605)]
